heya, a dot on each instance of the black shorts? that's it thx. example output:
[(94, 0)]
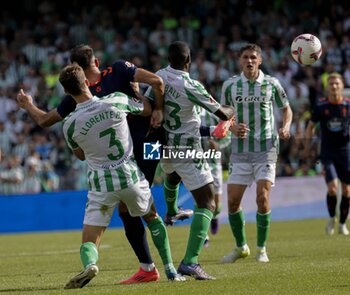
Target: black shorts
[(148, 167), (336, 166)]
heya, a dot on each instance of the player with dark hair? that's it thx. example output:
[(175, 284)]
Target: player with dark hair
[(97, 131), (120, 77), (184, 97), (333, 115)]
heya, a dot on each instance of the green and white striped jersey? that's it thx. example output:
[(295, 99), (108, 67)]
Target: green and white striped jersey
[(253, 103), (99, 127), (184, 98)]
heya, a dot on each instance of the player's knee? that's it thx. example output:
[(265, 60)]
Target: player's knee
[(233, 204), (346, 190), (207, 203), (204, 197), (262, 199), (332, 190), (150, 216)]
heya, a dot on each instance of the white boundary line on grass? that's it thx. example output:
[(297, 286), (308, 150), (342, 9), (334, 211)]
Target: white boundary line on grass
[(47, 253)]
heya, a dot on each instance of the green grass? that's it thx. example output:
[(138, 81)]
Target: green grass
[(303, 260)]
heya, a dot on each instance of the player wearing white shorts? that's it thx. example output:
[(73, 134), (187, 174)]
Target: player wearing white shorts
[(98, 132), (254, 146), (184, 98)]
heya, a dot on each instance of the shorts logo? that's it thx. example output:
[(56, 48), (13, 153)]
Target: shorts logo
[(151, 150)]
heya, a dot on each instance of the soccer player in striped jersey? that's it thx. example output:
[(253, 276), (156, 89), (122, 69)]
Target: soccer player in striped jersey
[(183, 100), (254, 146), (333, 115), (118, 77), (98, 131)]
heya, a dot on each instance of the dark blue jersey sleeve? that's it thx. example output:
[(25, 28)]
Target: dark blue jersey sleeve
[(66, 106), (127, 68), (123, 73)]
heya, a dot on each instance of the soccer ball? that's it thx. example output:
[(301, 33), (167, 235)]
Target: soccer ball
[(306, 49)]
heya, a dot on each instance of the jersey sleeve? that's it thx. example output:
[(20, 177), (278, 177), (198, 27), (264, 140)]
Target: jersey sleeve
[(127, 69), (197, 94), (127, 104), (226, 95), (280, 94), (68, 131), (66, 106)]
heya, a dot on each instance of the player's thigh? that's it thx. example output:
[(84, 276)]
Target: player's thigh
[(137, 197), (240, 173), (329, 170), (342, 167), (100, 207)]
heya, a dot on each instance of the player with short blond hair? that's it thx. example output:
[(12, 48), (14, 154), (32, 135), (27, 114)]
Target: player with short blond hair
[(333, 115)]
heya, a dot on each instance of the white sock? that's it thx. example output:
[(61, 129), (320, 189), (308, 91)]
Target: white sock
[(148, 266)]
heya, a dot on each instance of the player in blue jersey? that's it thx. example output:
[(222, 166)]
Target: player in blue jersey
[(120, 77), (333, 115)]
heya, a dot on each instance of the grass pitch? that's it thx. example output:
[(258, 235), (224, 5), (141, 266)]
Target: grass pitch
[(303, 260)]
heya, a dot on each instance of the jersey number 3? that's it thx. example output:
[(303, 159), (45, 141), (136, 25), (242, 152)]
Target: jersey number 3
[(173, 114), (113, 141)]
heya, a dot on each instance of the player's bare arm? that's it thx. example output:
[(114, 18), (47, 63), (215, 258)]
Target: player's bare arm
[(225, 112), (79, 153), (284, 131), (144, 76), (40, 117), (309, 133)]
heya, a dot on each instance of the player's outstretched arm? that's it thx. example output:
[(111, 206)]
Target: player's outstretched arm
[(144, 76), (157, 84), (225, 112), (40, 117)]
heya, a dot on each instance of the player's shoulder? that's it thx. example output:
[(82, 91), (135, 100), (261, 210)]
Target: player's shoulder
[(271, 79), (231, 80), (193, 83), (123, 65), (322, 101), (162, 72), (67, 121)]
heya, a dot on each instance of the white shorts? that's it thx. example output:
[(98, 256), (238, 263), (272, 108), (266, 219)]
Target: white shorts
[(248, 167), (100, 205), (216, 172), (194, 173), (246, 173)]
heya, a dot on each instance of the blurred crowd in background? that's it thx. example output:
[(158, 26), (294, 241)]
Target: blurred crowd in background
[(35, 45)]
